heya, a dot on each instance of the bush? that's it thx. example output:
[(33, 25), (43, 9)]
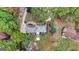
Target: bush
[(17, 37), (26, 41), (40, 13), (52, 28)]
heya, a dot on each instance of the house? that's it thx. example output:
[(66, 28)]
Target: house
[(33, 28), (70, 32)]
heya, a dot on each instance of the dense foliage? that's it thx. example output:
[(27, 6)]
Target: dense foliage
[(40, 13), (7, 22), (52, 28), (62, 11), (17, 37), (43, 13), (26, 41)]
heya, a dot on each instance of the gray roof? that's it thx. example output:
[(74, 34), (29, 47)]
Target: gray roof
[(35, 29)]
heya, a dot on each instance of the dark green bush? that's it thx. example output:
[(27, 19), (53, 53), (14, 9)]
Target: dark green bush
[(52, 28), (26, 41)]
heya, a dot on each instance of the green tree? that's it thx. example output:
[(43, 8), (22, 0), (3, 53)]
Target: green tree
[(52, 28), (43, 13), (7, 22), (40, 13), (17, 37), (76, 20)]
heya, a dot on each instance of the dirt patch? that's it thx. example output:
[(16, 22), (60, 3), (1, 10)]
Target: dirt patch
[(47, 45)]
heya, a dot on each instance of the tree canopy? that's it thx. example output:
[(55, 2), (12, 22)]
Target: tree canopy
[(7, 22)]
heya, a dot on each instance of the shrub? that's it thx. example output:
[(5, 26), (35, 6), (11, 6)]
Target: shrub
[(17, 37), (52, 28), (26, 41)]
